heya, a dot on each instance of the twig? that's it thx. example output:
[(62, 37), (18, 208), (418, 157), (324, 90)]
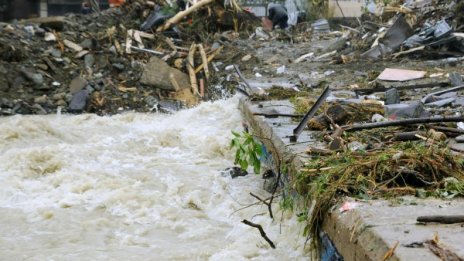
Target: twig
[(265, 203), (261, 231)]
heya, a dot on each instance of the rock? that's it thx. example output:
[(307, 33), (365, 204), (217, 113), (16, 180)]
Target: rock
[(61, 103), (34, 77), (41, 99), (356, 146), (460, 139), (79, 101), (158, 74), (6, 103), (392, 96), (151, 102), (270, 180), (234, 172), (58, 96), (77, 84), (89, 60), (38, 109), (169, 106), (89, 44), (118, 66)]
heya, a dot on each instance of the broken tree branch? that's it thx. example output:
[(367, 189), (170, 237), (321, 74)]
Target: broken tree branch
[(261, 231), (363, 126), (265, 203), (175, 19)]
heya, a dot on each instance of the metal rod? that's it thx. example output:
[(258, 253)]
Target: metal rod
[(297, 131)]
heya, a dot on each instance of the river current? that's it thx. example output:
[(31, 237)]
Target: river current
[(133, 187)]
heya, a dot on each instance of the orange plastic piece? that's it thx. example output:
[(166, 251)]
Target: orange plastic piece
[(115, 3)]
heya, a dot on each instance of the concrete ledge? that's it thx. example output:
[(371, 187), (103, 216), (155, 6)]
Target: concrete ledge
[(372, 227)]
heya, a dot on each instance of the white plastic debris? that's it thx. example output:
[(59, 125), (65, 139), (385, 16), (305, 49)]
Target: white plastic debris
[(258, 75), (49, 37), (229, 67), (281, 69)]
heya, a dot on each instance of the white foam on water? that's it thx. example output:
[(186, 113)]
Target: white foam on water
[(133, 187)]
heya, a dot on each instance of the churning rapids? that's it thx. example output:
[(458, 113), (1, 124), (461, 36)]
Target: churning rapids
[(133, 187)]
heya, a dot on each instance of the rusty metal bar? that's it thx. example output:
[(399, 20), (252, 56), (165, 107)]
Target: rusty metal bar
[(309, 115)]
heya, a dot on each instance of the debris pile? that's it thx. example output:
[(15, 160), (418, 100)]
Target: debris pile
[(139, 56), (417, 29)]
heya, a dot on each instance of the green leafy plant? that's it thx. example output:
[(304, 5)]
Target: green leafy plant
[(248, 151)]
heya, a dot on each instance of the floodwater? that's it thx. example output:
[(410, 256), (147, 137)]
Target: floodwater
[(133, 187)]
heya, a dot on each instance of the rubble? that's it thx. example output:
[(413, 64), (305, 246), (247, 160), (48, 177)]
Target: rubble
[(106, 55)]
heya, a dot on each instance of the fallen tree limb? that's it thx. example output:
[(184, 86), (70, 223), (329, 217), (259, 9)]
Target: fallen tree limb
[(175, 19), (451, 219), (261, 231), (363, 126)]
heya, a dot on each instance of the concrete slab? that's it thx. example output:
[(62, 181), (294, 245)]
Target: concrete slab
[(373, 227)]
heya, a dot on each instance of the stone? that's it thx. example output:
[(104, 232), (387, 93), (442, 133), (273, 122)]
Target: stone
[(158, 73), (41, 99), (38, 109), (89, 44), (392, 96), (455, 78), (234, 172), (34, 77), (460, 139), (79, 101), (59, 96), (89, 60), (61, 103), (151, 102), (77, 84), (118, 66)]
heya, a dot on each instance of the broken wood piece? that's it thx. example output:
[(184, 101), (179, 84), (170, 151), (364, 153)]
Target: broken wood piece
[(72, 45), (191, 70), (210, 58), (405, 122), (326, 55), (204, 59), (450, 219), (303, 57), (261, 231), (175, 19)]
